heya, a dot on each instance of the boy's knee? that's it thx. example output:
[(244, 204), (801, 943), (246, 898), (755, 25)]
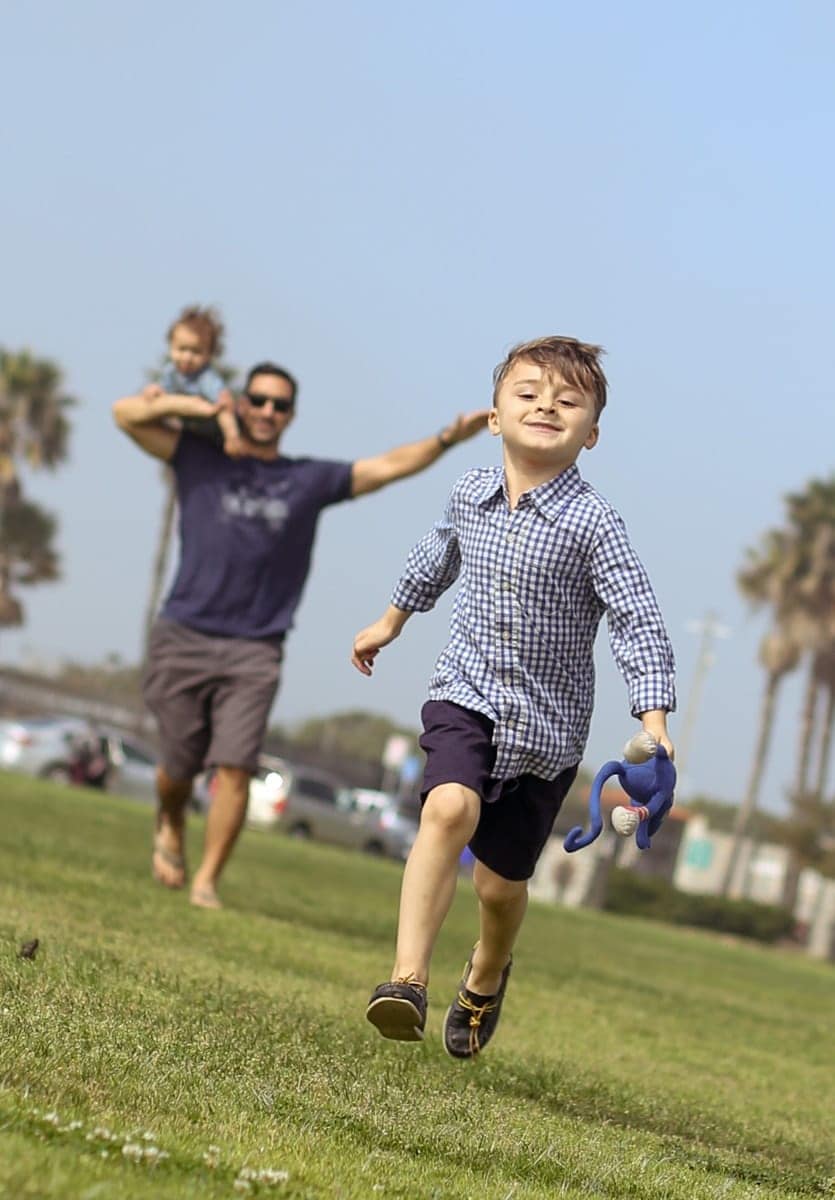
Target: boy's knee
[(452, 809), (496, 892)]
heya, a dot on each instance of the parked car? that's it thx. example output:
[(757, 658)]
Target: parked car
[(268, 790), (389, 823), (318, 807), (43, 746), (132, 764), (72, 750), (306, 803)]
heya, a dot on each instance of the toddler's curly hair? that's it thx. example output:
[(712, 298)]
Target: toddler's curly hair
[(206, 323)]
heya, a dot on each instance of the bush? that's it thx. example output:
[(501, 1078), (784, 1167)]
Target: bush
[(649, 896)]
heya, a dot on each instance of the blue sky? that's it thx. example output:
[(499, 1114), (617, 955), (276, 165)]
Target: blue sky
[(384, 198)]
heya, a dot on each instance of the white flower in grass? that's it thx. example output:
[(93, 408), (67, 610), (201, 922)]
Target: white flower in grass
[(267, 1175), (133, 1151), (51, 1118)]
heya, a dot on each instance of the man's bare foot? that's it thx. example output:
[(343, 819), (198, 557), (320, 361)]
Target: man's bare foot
[(205, 897), (168, 865)]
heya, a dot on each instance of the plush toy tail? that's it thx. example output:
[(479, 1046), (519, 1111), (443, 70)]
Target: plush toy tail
[(575, 839)]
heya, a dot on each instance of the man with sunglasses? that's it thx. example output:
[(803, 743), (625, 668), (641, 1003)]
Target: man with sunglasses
[(247, 530)]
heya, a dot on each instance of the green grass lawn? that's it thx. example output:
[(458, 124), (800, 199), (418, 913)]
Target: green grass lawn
[(155, 1050)]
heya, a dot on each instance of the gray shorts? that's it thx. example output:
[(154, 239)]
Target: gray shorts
[(211, 697)]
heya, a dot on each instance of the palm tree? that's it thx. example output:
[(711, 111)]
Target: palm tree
[(162, 553), (27, 555), (33, 413), (769, 578), (825, 672), (779, 654), (812, 514), (34, 429)]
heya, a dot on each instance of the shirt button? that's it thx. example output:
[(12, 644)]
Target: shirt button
[(506, 636)]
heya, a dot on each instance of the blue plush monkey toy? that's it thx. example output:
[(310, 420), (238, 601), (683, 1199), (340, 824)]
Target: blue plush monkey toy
[(648, 778)]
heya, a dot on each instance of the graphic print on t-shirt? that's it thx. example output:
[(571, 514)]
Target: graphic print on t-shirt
[(243, 501)]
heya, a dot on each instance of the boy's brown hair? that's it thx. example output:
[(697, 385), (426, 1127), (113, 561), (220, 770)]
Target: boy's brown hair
[(206, 323), (577, 362)]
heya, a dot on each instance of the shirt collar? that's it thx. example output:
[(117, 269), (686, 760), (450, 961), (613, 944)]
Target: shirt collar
[(548, 497)]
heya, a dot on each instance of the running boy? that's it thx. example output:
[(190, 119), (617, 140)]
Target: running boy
[(195, 338), (542, 556)]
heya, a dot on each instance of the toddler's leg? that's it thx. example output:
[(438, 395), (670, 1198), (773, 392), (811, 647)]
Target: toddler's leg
[(228, 424)]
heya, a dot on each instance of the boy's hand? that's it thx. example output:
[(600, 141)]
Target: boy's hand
[(655, 723), (151, 391), (369, 642), (234, 446)]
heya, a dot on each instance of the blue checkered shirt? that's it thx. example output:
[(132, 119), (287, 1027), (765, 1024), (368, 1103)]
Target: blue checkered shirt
[(535, 583)]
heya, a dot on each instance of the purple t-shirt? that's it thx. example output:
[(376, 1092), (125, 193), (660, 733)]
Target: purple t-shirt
[(246, 537)]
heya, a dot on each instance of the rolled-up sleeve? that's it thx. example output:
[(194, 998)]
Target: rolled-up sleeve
[(432, 566), (640, 644)]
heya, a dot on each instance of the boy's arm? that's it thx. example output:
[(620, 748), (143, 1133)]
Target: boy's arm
[(639, 641), (369, 642), (144, 420), (370, 474), (431, 567)]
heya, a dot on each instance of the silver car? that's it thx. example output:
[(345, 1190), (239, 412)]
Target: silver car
[(316, 806), (132, 763), (42, 746), (47, 746)]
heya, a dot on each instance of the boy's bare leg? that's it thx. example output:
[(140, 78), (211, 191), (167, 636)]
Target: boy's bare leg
[(223, 824), (168, 861), (502, 904), (448, 821)]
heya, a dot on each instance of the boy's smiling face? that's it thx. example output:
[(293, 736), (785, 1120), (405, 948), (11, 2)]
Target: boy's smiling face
[(188, 351), (542, 419)]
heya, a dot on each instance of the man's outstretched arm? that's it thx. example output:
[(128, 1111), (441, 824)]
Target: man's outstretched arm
[(143, 420), (370, 474)]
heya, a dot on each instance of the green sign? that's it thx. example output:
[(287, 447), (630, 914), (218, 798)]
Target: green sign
[(699, 854)]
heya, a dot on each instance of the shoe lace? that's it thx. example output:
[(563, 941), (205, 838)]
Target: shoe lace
[(410, 980), (477, 1012)]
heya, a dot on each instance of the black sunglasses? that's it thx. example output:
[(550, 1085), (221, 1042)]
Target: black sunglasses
[(257, 400)]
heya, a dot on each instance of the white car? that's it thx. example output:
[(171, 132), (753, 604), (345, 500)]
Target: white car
[(268, 791)]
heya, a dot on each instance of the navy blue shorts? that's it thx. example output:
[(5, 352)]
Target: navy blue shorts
[(517, 815)]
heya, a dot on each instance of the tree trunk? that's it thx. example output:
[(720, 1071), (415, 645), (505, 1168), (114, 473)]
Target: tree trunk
[(160, 567), (825, 748), (791, 881), (748, 806), (807, 733)]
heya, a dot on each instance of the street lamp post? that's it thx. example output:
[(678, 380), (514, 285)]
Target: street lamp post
[(709, 629)]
